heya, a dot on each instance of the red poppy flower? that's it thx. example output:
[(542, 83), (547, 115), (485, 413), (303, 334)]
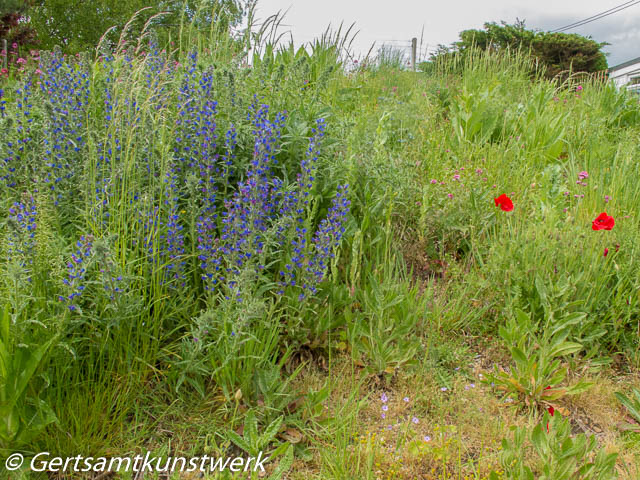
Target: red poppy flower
[(551, 411), (606, 251), (603, 222), (504, 203)]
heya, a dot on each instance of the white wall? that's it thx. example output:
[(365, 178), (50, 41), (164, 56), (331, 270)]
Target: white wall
[(623, 76)]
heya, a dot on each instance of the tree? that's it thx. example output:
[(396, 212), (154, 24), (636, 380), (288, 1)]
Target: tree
[(77, 25), (14, 27), (559, 52)]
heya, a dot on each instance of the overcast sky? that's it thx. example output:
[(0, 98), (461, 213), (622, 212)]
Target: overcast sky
[(396, 21)]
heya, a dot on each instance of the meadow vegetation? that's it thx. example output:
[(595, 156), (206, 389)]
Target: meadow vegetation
[(365, 272)]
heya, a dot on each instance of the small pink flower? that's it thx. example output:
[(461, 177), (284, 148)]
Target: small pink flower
[(582, 175), (607, 198), (434, 181), (14, 45), (579, 88), (456, 177), (21, 61), (450, 195), (38, 71)]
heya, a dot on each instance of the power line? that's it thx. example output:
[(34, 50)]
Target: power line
[(593, 18), (598, 16)]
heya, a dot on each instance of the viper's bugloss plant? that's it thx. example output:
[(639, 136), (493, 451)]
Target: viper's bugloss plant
[(266, 216), (2, 103), (76, 272), (65, 86), (22, 224)]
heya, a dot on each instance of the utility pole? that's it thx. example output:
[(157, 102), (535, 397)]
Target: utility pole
[(414, 46)]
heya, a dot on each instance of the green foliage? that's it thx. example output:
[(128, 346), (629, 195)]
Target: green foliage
[(632, 405), (254, 443), (556, 454), (537, 373), (390, 57), (559, 53), (23, 414), (420, 261), (79, 26), (381, 330), (13, 27), (473, 117)]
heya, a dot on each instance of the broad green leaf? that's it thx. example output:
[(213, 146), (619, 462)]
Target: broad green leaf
[(271, 431), (240, 442), (565, 348), (284, 465), (519, 357), (251, 428)]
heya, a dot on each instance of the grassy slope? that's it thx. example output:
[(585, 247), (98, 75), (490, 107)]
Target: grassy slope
[(432, 270)]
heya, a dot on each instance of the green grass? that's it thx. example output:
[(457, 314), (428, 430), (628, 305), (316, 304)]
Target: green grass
[(433, 290)]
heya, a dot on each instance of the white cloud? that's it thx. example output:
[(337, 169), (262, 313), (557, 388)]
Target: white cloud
[(399, 20)]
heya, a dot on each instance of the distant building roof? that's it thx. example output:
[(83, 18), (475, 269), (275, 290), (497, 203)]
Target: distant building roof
[(625, 64)]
